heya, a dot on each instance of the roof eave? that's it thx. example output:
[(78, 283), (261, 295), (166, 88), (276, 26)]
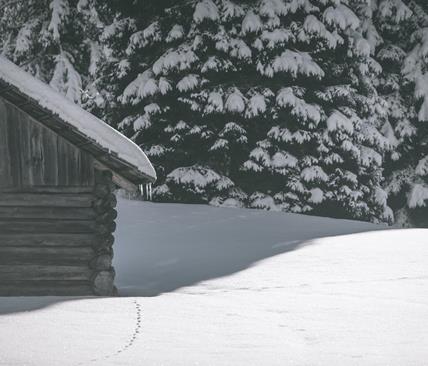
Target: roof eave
[(72, 134)]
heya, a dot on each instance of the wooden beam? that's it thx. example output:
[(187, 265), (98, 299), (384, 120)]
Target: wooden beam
[(118, 179), (47, 200), (37, 272), (54, 213), (46, 256), (44, 288), (48, 240), (17, 226)]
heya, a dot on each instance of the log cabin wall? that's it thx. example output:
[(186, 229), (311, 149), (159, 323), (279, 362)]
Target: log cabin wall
[(56, 213)]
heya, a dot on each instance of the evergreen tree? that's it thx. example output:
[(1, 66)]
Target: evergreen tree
[(315, 106), (205, 81), (402, 53), (55, 40)]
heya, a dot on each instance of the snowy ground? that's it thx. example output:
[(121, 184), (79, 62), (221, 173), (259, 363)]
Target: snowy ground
[(207, 286)]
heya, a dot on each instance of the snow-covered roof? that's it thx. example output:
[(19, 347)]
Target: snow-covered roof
[(78, 126)]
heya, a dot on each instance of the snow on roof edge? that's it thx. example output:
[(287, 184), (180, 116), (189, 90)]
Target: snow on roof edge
[(89, 125)]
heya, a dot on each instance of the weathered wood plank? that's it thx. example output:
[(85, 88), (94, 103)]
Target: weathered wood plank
[(5, 174), (55, 213), (50, 157), (117, 179), (40, 272), (48, 200), (39, 156), (45, 288), (14, 141), (48, 239), (46, 256), (87, 169), (47, 226)]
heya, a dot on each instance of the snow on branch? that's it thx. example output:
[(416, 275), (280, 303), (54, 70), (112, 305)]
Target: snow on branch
[(341, 16), (60, 10), (141, 87), (180, 59), (296, 63), (235, 102), (205, 9), (395, 9), (338, 121), (144, 37), (251, 23), (314, 173), (417, 196), (314, 26), (299, 108), (66, 79)]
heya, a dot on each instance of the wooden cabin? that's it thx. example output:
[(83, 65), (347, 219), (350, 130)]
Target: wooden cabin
[(59, 167)]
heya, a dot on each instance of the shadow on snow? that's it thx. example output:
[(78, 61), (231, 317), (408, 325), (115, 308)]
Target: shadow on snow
[(160, 248)]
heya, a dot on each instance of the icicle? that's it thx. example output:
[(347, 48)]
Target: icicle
[(150, 191)]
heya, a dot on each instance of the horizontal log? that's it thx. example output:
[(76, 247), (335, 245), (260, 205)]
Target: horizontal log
[(46, 256), (102, 175), (117, 179), (48, 240), (47, 200), (105, 203), (49, 189), (103, 243), (103, 283), (101, 262), (37, 272), (107, 216), (56, 213), (106, 228), (46, 288), (102, 190), (46, 226)]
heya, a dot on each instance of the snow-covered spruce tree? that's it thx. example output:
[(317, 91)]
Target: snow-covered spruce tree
[(182, 103), (55, 40), (271, 98), (324, 154), (402, 52)]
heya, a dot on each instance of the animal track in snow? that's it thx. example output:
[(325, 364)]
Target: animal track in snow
[(131, 340)]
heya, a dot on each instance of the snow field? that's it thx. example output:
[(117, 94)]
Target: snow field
[(215, 286)]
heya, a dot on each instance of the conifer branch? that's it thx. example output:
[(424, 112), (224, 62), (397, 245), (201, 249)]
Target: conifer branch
[(10, 3)]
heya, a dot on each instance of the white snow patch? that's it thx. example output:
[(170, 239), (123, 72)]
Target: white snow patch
[(342, 17), (287, 98), (194, 175), (205, 9), (314, 173), (275, 37), (187, 83), (235, 102), (215, 102), (417, 196), (256, 105), (251, 23), (317, 195), (176, 32), (297, 63), (338, 121), (422, 167), (219, 286), (141, 87)]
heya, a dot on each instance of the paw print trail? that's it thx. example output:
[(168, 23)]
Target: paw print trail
[(131, 341)]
